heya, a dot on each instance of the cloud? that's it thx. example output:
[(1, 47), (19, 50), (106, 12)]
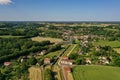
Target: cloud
[(5, 2)]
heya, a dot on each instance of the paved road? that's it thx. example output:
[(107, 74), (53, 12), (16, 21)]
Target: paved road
[(57, 62), (59, 56)]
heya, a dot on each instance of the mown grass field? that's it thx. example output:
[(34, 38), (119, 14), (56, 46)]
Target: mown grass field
[(107, 43), (96, 73), (39, 39)]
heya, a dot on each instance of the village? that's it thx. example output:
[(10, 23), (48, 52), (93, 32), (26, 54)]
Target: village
[(53, 58)]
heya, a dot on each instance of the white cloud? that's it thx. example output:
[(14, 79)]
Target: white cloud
[(5, 2)]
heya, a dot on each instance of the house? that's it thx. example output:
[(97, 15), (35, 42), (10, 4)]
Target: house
[(7, 63), (65, 57), (24, 58), (103, 60), (88, 61), (43, 52), (68, 69), (47, 61), (66, 62)]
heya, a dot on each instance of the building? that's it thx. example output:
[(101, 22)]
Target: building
[(24, 59), (66, 62), (68, 69), (47, 61), (103, 60), (7, 63), (88, 61), (43, 52), (65, 57)]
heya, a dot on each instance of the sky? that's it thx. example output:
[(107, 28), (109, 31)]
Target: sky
[(59, 10)]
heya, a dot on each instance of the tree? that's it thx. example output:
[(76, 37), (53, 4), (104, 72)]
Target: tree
[(73, 56), (117, 61), (32, 61), (2, 76), (80, 61), (54, 48), (48, 74)]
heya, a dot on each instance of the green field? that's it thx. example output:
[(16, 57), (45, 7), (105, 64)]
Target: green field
[(76, 49), (107, 43), (96, 73), (9, 36), (52, 54), (109, 29), (39, 39), (69, 49)]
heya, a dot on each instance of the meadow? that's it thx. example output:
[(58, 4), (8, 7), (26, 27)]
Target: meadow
[(113, 44), (96, 73)]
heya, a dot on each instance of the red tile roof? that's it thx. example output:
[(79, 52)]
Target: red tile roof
[(7, 63)]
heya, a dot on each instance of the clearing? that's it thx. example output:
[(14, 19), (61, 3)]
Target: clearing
[(96, 73)]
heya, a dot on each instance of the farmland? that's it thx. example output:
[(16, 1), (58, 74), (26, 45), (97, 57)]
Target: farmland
[(107, 43), (35, 73), (96, 73), (39, 39)]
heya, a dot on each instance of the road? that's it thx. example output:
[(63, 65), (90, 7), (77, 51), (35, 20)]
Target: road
[(59, 56), (58, 63)]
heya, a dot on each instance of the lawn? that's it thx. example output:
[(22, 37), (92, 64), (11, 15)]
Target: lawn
[(39, 39), (52, 54), (76, 49), (107, 43), (69, 49), (96, 73)]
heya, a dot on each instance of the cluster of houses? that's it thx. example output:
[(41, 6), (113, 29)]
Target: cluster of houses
[(103, 60), (43, 52), (66, 35)]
